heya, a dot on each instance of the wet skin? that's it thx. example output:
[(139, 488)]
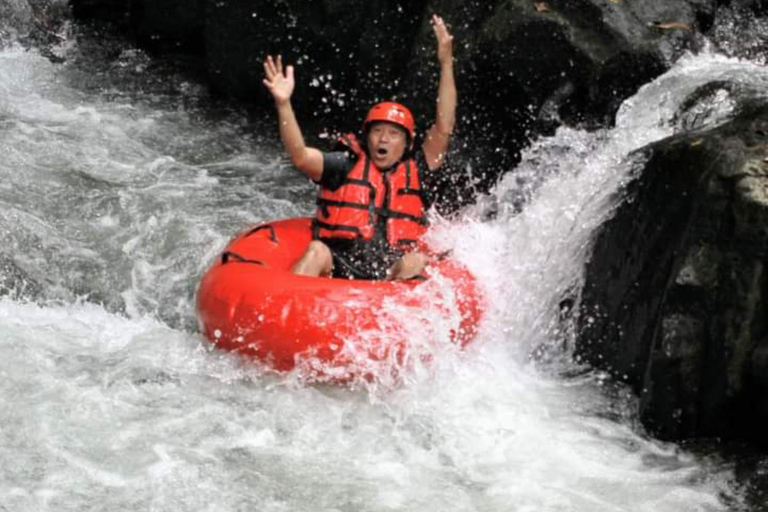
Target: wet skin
[(387, 143)]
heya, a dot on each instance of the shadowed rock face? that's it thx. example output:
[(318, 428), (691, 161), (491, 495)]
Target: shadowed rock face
[(522, 67), (32, 22), (676, 298), (15, 15), (15, 283)]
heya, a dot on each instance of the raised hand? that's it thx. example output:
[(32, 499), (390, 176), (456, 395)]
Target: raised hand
[(444, 40), (279, 82)]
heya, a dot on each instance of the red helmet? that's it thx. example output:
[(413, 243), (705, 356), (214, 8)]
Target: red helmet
[(391, 112)]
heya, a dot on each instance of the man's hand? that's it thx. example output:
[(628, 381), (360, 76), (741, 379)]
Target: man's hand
[(439, 134), (444, 40), (280, 83)]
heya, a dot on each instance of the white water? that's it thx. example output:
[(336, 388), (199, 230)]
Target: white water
[(120, 196)]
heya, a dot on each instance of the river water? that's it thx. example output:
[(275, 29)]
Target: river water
[(121, 180)]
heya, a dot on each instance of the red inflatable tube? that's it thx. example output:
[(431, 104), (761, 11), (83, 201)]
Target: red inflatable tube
[(248, 302)]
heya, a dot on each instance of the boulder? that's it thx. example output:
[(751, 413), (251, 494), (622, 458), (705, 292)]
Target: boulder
[(35, 23), (16, 18), (676, 295), (347, 54), (523, 67), (113, 11), (169, 25), (14, 281), (748, 19)]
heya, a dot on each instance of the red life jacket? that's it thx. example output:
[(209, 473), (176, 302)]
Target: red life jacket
[(370, 200)]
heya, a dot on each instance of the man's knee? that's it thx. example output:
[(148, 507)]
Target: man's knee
[(417, 258), (318, 251), (316, 261), (410, 265), (320, 257)]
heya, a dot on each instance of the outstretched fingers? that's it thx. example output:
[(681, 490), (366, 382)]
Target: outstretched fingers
[(270, 67), (278, 80), (437, 21), (441, 31), (274, 73), (444, 39)]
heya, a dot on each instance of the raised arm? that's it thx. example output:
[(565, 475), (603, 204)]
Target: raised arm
[(439, 134), (280, 84)]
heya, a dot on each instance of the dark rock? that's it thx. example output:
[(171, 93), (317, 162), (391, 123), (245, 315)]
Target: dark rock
[(169, 25), (742, 31), (756, 7), (15, 283), (114, 11), (676, 295), (521, 71), (15, 16), (34, 23), (347, 55)]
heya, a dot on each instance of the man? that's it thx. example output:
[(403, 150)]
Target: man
[(370, 208)]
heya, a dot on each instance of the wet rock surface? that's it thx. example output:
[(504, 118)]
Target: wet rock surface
[(675, 301), (522, 67), (34, 23), (14, 281)]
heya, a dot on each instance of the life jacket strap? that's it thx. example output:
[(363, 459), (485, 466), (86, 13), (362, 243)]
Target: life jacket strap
[(318, 225), (422, 220), (343, 204), (409, 192)]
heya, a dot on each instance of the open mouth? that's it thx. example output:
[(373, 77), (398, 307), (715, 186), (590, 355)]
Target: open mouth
[(382, 151)]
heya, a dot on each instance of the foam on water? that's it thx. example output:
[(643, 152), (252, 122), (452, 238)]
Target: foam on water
[(128, 413), (123, 406)]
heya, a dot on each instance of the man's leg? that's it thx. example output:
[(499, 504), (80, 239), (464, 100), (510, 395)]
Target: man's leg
[(317, 261), (410, 265)]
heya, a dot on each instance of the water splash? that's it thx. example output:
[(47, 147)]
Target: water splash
[(121, 404)]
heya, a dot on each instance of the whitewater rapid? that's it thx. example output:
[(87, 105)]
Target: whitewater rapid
[(120, 183)]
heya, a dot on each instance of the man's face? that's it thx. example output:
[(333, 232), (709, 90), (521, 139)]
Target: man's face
[(387, 143)]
